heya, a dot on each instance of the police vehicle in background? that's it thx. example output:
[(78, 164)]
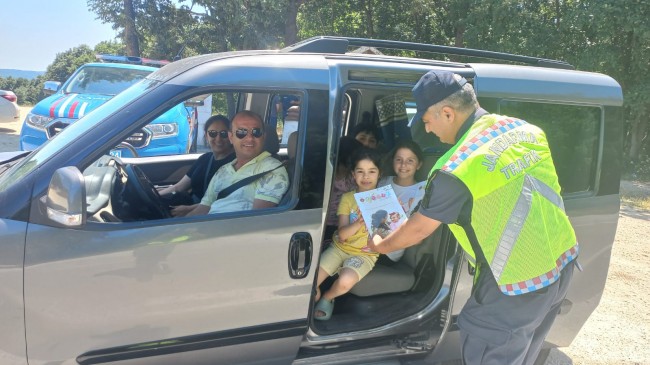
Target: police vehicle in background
[(90, 86)]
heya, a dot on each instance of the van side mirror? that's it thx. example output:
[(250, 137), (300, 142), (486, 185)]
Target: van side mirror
[(50, 87), (66, 197)]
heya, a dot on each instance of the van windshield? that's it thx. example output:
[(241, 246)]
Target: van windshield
[(73, 132)]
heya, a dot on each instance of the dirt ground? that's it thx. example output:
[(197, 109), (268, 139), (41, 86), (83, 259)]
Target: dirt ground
[(9, 132), (618, 332)]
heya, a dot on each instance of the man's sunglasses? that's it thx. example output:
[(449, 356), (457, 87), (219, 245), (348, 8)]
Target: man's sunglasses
[(214, 134), (243, 132)]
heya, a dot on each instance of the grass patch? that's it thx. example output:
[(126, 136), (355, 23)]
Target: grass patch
[(635, 194), (636, 201)]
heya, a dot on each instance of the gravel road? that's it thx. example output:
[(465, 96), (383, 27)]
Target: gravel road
[(618, 332)]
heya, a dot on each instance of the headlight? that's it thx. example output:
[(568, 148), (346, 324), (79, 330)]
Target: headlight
[(37, 121), (163, 130)]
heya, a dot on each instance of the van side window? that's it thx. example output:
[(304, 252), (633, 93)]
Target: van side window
[(284, 115), (573, 133), (313, 149)]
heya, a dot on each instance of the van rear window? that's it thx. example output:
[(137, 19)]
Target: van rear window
[(573, 133)]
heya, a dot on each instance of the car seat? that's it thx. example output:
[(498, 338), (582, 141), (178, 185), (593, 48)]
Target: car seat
[(404, 274)]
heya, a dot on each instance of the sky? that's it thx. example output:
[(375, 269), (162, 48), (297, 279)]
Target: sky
[(34, 31)]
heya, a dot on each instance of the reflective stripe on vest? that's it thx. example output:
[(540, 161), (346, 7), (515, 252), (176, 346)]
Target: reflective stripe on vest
[(517, 218)]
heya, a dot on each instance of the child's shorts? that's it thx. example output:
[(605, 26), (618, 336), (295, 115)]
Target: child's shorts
[(333, 259)]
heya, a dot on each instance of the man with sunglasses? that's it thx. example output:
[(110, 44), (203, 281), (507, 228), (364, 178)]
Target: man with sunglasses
[(247, 136)]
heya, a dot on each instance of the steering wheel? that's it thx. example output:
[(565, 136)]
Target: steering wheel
[(149, 204), (129, 147)]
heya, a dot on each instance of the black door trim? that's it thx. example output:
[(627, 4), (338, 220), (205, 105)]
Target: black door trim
[(195, 342)]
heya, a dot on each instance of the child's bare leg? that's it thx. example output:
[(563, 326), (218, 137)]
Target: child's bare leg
[(322, 275), (347, 279)]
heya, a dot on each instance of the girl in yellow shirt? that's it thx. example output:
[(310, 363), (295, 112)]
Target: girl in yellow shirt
[(349, 256)]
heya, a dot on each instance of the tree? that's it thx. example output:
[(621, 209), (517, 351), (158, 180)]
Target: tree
[(228, 25), (615, 37), (152, 28), (121, 14), (608, 36), (26, 90), (65, 63), (290, 23), (110, 47), (130, 32)]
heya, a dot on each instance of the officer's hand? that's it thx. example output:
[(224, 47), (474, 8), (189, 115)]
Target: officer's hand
[(374, 241)]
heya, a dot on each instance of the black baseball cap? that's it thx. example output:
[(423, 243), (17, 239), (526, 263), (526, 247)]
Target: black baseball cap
[(433, 87)]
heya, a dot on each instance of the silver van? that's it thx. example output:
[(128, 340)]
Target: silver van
[(94, 270)]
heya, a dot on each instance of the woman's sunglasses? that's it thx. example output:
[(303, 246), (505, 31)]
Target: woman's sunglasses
[(243, 132), (214, 134)]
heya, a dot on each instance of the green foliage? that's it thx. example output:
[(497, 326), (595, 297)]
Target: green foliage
[(607, 36), (403, 20), (65, 63), (26, 90), (159, 24), (640, 168), (165, 27), (228, 25), (110, 47)]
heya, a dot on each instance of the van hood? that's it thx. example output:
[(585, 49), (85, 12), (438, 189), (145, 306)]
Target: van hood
[(72, 106)]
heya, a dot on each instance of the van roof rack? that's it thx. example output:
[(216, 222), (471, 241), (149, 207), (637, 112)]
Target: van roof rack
[(339, 45)]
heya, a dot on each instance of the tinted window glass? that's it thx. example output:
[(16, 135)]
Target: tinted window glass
[(104, 80), (573, 136), (284, 115)]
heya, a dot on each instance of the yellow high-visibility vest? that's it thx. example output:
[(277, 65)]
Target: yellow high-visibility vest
[(517, 217)]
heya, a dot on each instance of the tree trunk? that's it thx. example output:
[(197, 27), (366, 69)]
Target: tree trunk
[(459, 29), (232, 105), (637, 128), (369, 19), (130, 32), (290, 26), (638, 131)]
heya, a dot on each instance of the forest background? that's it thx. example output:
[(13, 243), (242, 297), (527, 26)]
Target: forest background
[(606, 36)]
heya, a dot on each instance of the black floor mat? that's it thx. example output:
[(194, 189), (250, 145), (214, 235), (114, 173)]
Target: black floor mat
[(352, 313)]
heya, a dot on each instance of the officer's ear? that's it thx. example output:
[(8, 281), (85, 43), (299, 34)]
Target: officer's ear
[(448, 114)]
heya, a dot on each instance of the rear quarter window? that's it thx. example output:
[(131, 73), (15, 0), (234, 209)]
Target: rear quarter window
[(573, 133)]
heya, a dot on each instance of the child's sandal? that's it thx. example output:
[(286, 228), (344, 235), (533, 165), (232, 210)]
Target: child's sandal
[(324, 306)]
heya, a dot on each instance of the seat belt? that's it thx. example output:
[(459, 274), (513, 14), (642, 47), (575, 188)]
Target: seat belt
[(243, 182)]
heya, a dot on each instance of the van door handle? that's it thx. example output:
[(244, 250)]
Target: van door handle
[(300, 251)]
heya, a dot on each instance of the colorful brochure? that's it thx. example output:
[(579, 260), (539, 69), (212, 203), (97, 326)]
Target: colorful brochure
[(381, 211)]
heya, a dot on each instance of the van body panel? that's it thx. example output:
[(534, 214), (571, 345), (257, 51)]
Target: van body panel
[(161, 281), (544, 84), (12, 253)]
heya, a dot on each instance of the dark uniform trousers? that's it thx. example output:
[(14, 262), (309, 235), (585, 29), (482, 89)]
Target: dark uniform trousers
[(499, 329)]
